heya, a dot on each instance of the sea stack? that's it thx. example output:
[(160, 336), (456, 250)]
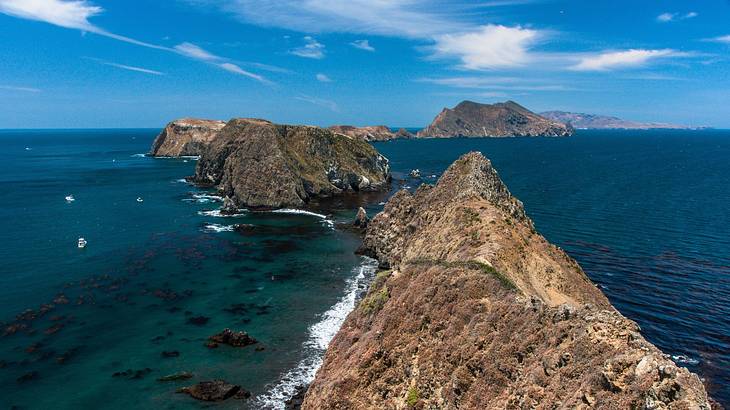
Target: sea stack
[(259, 164), (508, 119), (185, 137), (475, 309)]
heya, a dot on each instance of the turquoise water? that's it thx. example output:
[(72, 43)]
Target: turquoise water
[(644, 213)]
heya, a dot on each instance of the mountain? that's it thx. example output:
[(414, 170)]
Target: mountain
[(185, 137), (258, 164), (371, 133), (591, 121), (474, 309), (508, 119)]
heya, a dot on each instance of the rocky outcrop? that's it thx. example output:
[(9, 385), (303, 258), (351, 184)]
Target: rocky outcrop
[(215, 390), (508, 119), (592, 121), (231, 338), (476, 310), (259, 164), (185, 137), (372, 133)]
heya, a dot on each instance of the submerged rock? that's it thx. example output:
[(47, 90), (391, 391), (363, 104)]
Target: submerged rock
[(216, 390), (231, 338), (508, 119), (185, 137), (259, 164), (176, 377), (477, 310)]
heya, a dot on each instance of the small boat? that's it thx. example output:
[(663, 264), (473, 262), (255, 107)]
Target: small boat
[(70, 198), (139, 199), (82, 243)]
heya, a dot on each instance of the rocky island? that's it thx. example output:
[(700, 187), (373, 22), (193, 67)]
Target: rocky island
[(475, 309), (372, 133), (259, 164), (185, 137), (508, 119), (603, 122)]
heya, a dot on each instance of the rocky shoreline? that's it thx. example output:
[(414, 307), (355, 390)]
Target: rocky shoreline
[(475, 309)]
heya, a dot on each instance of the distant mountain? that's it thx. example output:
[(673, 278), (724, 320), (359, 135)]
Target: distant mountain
[(580, 120), (371, 133), (507, 119)]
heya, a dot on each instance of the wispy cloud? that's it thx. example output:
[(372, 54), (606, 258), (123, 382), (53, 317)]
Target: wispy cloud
[(75, 14), (193, 51), (323, 78), (363, 45), (720, 39), (72, 14), (330, 105), (669, 17), (125, 67), (496, 83), (490, 47), (23, 89), (612, 60), (311, 49)]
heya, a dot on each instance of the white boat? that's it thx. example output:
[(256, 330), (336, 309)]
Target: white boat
[(82, 243), (70, 198), (139, 199)]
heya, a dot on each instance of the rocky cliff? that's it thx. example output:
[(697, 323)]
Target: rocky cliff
[(259, 164), (475, 309), (592, 121), (372, 133), (508, 119), (187, 136)]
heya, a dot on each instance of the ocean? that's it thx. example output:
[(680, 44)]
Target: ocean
[(645, 213)]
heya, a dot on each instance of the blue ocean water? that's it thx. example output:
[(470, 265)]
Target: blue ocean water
[(645, 213)]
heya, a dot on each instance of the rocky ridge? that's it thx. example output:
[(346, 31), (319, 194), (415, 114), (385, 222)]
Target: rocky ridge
[(185, 137), (508, 119), (258, 164), (592, 121), (371, 133), (475, 309)]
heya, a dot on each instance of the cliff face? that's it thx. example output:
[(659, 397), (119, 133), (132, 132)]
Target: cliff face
[(591, 121), (372, 133), (474, 309), (187, 136), (509, 119), (259, 164)]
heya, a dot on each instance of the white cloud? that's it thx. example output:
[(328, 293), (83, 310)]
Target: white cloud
[(230, 67), (311, 49), (363, 45), (330, 105), (323, 78), (73, 14), (23, 89), (489, 47), (612, 60), (496, 83), (669, 17), (720, 39), (193, 51), (133, 68)]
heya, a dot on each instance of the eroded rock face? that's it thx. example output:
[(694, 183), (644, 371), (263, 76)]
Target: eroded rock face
[(185, 137), (371, 133), (259, 164), (508, 119), (476, 310)]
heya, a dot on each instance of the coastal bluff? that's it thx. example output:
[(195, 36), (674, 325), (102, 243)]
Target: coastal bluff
[(259, 164), (185, 137), (474, 309), (507, 119)]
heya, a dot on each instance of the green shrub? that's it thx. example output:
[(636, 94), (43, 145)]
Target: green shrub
[(412, 397)]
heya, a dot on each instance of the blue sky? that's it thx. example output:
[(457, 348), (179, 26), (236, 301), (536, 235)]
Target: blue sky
[(128, 63)]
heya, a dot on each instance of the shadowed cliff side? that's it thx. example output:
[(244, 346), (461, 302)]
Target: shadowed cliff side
[(259, 164), (475, 309), (185, 137)]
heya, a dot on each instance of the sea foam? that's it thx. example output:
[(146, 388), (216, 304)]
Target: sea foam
[(320, 335)]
